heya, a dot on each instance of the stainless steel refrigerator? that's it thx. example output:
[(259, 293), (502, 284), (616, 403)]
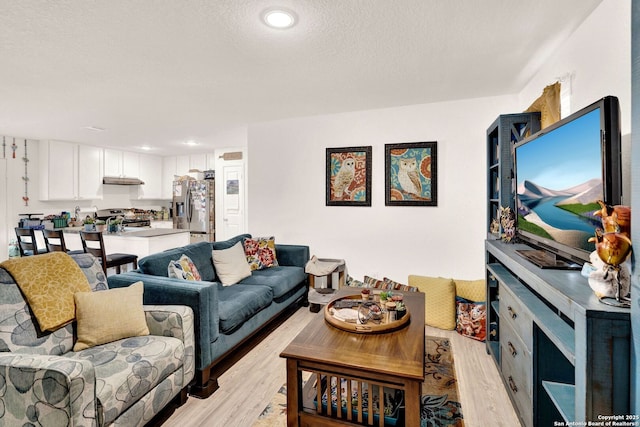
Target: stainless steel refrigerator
[(194, 208)]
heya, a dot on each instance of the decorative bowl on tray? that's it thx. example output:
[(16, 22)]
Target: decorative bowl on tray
[(352, 314)]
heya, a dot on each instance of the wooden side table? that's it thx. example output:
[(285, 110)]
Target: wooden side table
[(393, 360)]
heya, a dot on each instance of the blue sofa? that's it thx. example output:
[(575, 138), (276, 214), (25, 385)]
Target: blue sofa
[(225, 316)]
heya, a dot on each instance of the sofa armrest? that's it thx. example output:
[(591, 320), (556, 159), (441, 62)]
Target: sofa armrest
[(202, 297), (292, 255), (174, 321), (62, 390)]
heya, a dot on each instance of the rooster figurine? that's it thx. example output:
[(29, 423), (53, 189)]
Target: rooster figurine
[(615, 219), (611, 275)]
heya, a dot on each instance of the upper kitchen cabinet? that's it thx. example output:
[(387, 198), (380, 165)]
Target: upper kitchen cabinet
[(70, 171), (169, 171), (149, 166), (90, 172), (123, 164), (173, 166)]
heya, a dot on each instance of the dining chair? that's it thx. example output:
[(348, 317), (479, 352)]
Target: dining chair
[(93, 243), (27, 242), (54, 241)]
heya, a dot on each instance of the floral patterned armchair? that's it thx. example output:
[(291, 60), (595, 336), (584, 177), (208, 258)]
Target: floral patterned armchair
[(125, 382)]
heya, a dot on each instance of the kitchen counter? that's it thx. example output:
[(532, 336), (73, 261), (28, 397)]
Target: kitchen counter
[(140, 241)]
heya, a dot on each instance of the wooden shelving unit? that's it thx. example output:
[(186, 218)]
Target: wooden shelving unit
[(563, 355), (503, 133)]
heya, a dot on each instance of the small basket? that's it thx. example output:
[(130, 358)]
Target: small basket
[(59, 222)]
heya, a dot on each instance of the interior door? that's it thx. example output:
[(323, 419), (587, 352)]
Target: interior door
[(231, 216)]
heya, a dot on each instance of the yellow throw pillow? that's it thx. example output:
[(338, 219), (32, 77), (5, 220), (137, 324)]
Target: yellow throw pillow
[(106, 316), (472, 290), (48, 282), (439, 300)]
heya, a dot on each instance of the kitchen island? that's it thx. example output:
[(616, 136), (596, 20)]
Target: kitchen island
[(140, 241)]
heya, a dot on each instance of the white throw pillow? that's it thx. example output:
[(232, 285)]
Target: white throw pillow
[(231, 264)]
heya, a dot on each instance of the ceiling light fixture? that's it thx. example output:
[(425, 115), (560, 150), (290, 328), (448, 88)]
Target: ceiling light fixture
[(94, 128), (279, 18), (190, 143)]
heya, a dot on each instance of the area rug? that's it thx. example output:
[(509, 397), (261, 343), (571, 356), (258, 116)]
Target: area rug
[(440, 406)]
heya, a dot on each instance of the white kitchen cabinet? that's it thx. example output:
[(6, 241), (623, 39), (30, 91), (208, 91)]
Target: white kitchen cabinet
[(173, 166), (69, 171), (149, 166), (121, 163), (90, 172), (198, 162), (182, 165), (169, 171)]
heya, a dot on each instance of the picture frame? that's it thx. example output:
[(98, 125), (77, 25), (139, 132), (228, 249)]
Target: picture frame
[(348, 176), (411, 177)]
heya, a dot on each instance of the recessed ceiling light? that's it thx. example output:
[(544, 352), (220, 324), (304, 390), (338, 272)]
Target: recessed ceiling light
[(279, 18), (94, 128), (145, 148), (190, 143)]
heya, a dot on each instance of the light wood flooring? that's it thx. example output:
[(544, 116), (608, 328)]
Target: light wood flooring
[(248, 386)]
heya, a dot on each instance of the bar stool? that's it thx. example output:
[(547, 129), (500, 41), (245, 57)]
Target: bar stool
[(54, 240), (27, 242), (107, 260)]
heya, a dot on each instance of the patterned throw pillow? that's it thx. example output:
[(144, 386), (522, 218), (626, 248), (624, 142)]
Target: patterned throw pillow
[(183, 269), (471, 319), (260, 252), (372, 282), (355, 283), (399, 286)]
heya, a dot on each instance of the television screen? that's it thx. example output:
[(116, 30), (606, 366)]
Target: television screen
[(561, 174)]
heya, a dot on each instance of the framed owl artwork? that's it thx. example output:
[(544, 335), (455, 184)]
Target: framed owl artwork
[(348, 176), (411, 174)]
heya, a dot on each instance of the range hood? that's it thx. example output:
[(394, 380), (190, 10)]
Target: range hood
[(116, 180)]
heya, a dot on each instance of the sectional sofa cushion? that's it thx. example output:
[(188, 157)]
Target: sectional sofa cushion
[(240, 302), (200, 254), (128, 370), (226, 244), (281, 279)]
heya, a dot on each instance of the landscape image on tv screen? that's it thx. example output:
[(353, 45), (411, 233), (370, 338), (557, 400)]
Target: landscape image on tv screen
[(559, 183)]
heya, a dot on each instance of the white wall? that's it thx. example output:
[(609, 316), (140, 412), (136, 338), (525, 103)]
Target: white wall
[(597, 56), (287, 189), (287, 165)]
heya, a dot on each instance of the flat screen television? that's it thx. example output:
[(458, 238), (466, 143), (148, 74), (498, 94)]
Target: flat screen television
[(561, 172)]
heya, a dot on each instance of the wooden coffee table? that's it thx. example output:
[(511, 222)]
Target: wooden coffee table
[(392, 360)]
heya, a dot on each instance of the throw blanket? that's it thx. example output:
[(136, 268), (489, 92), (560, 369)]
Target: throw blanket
[(322, 268), (48, 282)]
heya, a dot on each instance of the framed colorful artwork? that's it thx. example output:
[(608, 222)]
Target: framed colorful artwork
[(348, 176), (411, 174)]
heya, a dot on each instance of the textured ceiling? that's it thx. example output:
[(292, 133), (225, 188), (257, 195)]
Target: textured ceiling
[(159, 72)]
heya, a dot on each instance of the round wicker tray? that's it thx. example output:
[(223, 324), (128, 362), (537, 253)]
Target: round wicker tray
[(370, 327)]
